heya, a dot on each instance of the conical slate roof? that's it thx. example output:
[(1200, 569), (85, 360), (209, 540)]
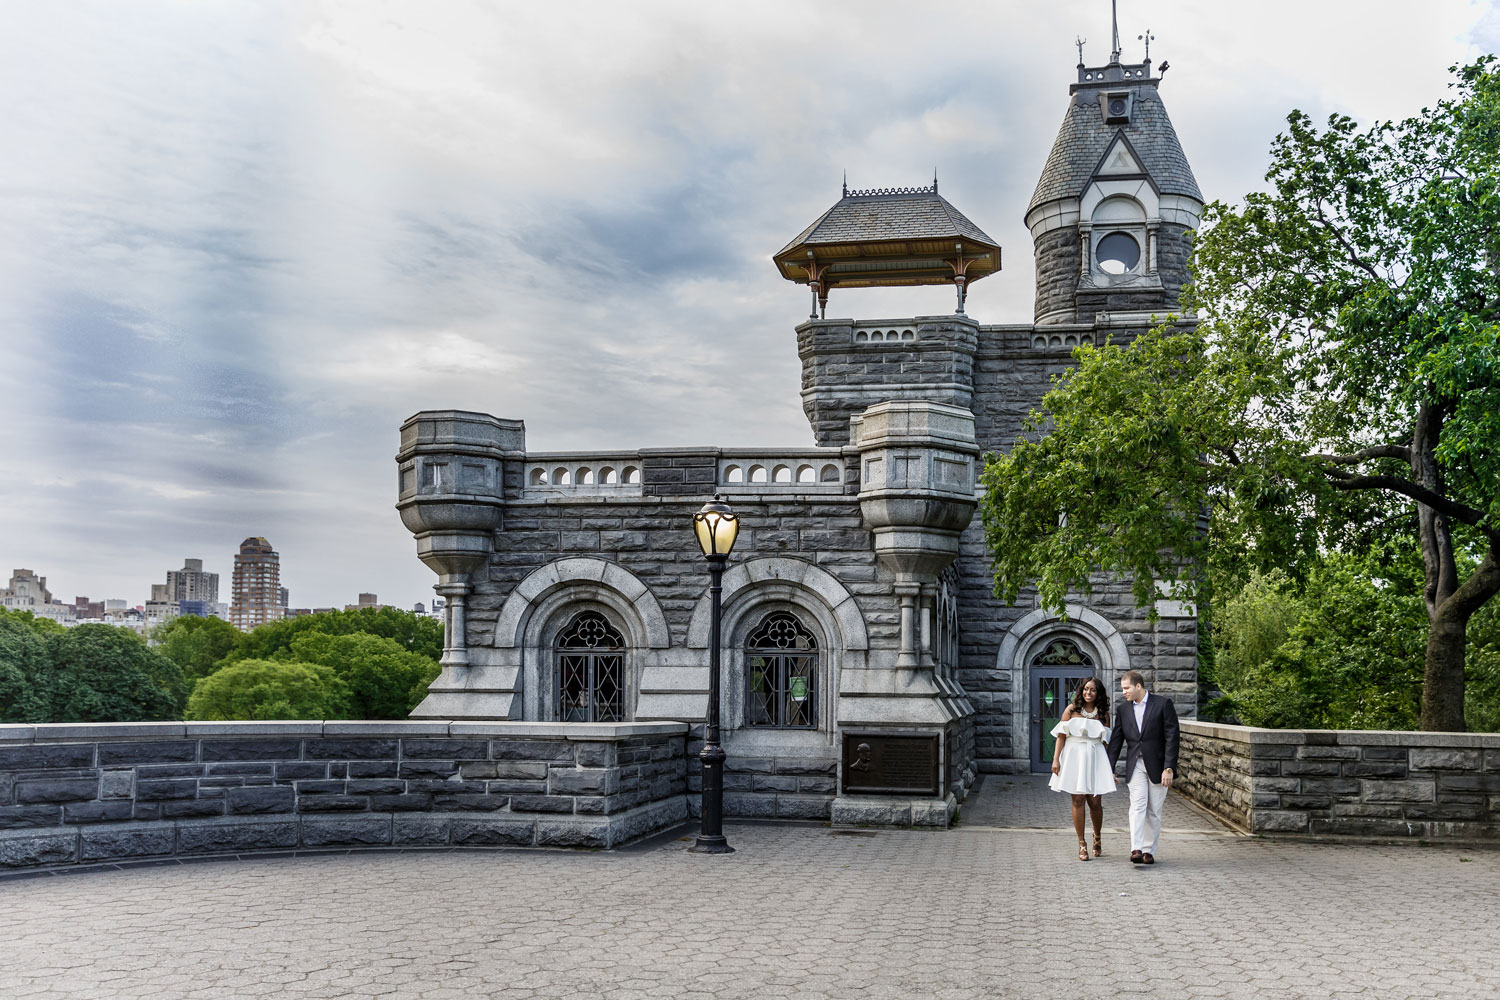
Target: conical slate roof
[(1084, 139), (889, 214)]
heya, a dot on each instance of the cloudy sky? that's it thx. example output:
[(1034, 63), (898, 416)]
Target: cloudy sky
[(244, 241)]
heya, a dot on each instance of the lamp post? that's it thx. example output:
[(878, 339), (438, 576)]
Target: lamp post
[(716, 528)]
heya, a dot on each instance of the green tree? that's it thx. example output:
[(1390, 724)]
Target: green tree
[(195, 644), (1342, 383), (412, 632), (1350, 657), (1482, 667), (101, 673), (1251, 626), (384, 681), (25, 668), (269, 689)]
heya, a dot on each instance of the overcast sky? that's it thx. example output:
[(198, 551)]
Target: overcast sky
[(244, 241)]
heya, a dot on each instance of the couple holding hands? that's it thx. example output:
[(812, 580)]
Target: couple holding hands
[(1088, 749)]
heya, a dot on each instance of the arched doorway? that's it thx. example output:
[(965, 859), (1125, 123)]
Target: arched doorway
[(1058, 665)]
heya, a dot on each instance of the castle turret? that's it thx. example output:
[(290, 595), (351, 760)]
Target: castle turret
[(1115, 209)]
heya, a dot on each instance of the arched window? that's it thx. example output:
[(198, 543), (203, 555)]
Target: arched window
[(590, 670), (781, 673)]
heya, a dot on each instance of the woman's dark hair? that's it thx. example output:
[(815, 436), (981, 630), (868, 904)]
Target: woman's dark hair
[(1101, 699)]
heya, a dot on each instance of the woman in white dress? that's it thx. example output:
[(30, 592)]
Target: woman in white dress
[(1080, 763)]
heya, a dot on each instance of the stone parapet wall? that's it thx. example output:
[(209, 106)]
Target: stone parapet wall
[(1350, 783), (100, 793)]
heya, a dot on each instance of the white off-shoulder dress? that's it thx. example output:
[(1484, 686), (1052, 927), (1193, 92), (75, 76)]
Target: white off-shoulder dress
[(1084, 768)]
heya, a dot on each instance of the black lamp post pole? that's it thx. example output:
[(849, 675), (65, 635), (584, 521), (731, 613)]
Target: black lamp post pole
[(711, 833)]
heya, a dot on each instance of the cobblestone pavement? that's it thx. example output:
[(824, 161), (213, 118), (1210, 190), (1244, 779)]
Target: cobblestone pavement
[(799, 911), (1010, 801)]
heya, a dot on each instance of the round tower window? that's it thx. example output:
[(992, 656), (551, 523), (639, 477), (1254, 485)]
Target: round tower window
[(1118, 253), (1117, 107)]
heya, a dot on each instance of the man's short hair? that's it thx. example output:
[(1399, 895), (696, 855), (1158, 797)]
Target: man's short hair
[(1133, 677)]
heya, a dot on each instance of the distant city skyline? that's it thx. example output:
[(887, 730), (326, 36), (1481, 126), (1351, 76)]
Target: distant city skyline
[(247, 241)]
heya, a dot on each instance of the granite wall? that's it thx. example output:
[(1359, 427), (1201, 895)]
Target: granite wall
[(1345, 783), (100, 793)]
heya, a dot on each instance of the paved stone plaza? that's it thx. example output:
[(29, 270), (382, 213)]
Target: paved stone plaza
[(799, 911)]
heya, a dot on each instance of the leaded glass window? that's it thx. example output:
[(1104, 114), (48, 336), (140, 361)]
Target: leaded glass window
[(781, 667), (1061, 652), (590, 670)]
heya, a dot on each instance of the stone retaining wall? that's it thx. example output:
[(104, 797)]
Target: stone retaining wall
[(1345, 783), (99, 793)]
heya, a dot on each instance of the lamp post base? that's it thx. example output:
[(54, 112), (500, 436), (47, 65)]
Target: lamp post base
[(711, 845)]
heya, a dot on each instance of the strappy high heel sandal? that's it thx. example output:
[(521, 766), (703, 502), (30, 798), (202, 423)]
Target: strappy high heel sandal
[(1098, 847), (1083, 851)]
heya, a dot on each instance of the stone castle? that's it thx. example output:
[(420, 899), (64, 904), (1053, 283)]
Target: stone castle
[(869, 672)]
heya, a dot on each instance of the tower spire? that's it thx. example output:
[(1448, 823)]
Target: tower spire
[(1114, 27)]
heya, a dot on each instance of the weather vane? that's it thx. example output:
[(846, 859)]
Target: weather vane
[(1147, 37), (1079, 42)]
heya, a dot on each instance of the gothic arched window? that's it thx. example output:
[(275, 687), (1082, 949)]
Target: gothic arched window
[(781, 673), (590, 670)]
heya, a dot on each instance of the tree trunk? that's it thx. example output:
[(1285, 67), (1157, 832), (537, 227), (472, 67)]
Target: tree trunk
[(1443, 676), (1443, 670)]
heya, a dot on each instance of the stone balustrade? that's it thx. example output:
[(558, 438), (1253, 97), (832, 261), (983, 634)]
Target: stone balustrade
[(803, 471), (1345, 783), (583, 473), (794, 471), (99, 793)]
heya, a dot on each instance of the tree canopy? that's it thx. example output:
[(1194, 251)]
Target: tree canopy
[(100, 673), (1340, 384), (413, 633), (269, 689), (383, 680), (195, 644)]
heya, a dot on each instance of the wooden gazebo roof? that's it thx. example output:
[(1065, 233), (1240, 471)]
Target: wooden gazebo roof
[(889, 237)]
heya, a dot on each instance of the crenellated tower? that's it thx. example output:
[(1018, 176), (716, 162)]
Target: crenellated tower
[(1114, 212)]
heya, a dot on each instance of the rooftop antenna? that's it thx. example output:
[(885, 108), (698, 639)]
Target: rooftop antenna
[(1079, 42), (1114, 25), (1147, 37)]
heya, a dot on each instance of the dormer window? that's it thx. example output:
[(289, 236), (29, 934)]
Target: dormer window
[(1118, 231), (1116, 106)]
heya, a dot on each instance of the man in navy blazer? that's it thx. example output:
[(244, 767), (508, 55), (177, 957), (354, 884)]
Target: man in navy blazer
[(1146, 725)]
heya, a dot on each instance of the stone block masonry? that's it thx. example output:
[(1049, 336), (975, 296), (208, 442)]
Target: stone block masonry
[(1358, 784), (84, 794)]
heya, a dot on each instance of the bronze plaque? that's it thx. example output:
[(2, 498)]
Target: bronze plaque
[(888, 764)]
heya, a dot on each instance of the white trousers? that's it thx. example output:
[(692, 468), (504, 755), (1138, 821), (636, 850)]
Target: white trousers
[(1146, 801)]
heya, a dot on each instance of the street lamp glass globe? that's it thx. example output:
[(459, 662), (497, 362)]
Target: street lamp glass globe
[(716, 527)]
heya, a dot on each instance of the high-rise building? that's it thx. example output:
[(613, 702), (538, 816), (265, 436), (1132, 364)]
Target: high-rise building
[(285, 597), (26, 590), (257, 585), (191, 583)]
